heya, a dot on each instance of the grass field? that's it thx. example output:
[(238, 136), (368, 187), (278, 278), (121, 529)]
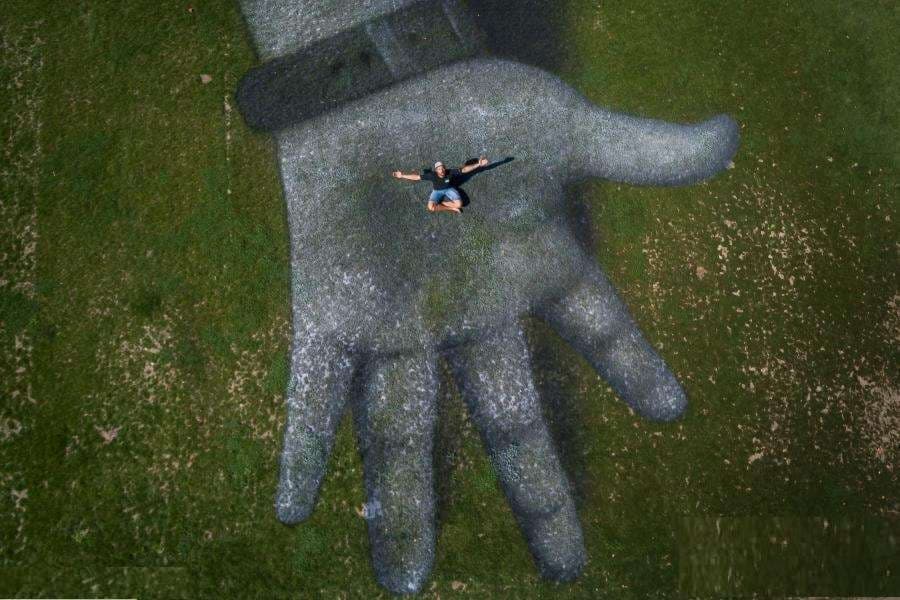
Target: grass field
[(144, 319)]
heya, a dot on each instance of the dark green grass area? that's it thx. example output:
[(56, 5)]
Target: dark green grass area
[(161, 307)]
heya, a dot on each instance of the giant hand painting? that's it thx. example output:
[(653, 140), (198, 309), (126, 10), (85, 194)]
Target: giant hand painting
[(383, 289)]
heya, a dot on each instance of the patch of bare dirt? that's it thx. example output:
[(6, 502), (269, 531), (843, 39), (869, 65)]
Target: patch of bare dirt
[(20, 123), (260, 410), (754, 271)]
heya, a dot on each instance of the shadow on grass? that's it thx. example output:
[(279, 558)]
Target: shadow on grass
[(464, 178)]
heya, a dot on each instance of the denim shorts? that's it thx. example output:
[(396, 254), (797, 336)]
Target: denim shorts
[(438, 195)]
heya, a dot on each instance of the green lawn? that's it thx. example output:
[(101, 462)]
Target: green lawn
[(144, 319)]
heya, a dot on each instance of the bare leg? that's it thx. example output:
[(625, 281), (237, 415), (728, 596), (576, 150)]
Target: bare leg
[(443, 207), (454, 205)]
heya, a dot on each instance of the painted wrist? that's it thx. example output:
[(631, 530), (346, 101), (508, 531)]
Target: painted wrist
[(349, 56)]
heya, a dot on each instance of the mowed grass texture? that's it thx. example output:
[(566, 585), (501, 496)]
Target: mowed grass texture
[(144, 320)]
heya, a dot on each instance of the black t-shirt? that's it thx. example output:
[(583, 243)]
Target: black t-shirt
[(441, 183)]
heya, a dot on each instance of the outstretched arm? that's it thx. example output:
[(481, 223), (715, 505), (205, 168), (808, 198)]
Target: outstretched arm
[(469, 168), (410, 176)]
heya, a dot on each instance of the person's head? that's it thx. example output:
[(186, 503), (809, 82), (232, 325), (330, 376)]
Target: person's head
[(440, 169)]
